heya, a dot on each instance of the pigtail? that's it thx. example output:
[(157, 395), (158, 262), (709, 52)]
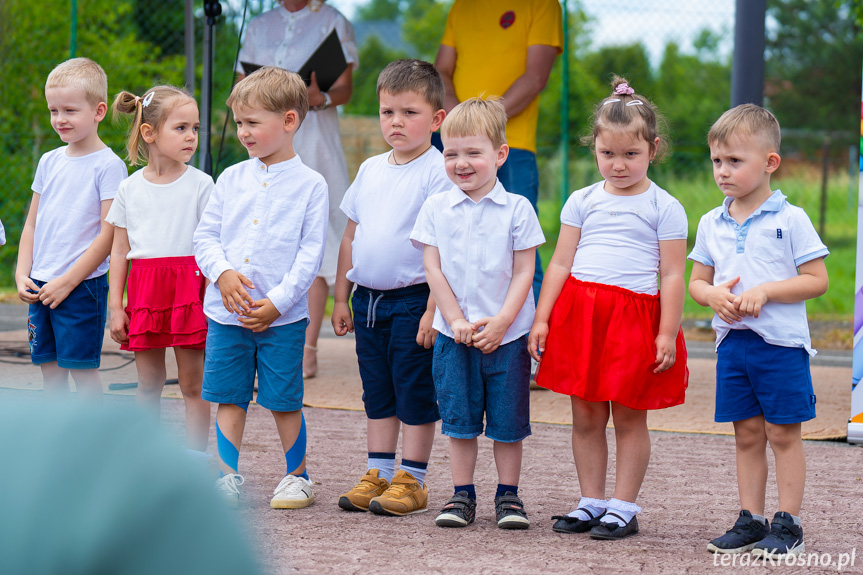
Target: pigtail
[(129, 104)]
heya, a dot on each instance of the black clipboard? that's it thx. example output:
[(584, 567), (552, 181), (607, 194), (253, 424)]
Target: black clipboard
[(327, 62)]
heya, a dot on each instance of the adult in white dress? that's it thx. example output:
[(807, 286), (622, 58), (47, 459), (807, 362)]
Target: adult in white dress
[(286, 36)]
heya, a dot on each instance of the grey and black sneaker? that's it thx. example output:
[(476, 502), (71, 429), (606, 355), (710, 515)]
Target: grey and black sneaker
[(785, 538), (459, 511), (510, 513), (741, 538)]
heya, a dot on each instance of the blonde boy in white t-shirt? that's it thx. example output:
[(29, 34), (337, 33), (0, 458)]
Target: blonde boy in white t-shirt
[(479, 244), (63, 254)]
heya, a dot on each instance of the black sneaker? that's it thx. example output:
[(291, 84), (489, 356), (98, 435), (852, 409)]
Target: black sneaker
[(510, 512), (785, 538), (459, 511), (742, 537)]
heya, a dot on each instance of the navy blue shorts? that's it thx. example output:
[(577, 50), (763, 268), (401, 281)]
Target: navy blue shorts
[(396, 372), (235, 353), (72, 333), (471, 384), (754, 378)]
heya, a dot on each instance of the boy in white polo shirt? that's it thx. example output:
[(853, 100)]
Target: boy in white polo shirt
[(63, 255), (260, 241), (479, 244), (756, 260), (394, 311)]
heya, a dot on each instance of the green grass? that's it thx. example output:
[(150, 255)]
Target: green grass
[(700, 194)]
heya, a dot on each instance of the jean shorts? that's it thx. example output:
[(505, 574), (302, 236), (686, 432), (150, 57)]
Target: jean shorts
[(471, 384), (72, 333), (395, 370), (754, 378), (235, 353)]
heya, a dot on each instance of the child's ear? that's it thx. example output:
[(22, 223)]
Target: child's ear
[(101, 111), (773, 160), (437, 120), (292, 121), (654, 147), (148, 133), (502, 155)]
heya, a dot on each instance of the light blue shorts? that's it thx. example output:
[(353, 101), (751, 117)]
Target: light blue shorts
[(235, 353)]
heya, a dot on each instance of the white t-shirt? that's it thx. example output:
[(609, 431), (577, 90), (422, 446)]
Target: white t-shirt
[(385, 200), (620, 235), (476, 242), (769, 246), (2, 235), (161, 218), (69, 218), (287, 39)]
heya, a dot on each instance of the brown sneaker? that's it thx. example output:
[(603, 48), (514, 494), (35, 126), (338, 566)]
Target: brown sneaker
[(404, 496), (369, 487)]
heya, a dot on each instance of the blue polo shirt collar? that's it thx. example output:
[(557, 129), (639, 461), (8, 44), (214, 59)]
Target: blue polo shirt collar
[(772, 204)]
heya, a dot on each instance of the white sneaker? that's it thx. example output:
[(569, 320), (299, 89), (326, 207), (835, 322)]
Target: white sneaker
[(293, 493), (228, 488)]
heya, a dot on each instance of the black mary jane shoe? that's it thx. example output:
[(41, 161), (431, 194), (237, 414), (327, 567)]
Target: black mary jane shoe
[(613, 531), (569, 524)]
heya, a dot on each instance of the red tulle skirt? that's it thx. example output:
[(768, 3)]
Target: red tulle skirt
[(165, 304), (601, 347)]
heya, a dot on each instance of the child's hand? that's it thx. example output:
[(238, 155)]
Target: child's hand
[(462, 331), (721, 301), (494, 328), (341, 318), (235, 298), (261, 316), (666, 352), (28, 291), (751, 301), (119, 326), (536, 339), (55, 291), (426, 335)]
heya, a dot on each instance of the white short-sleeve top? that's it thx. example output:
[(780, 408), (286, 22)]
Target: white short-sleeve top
[(620, 235), (476, 241), (160, 219), (71, 191), (769, 246), (384, 201)]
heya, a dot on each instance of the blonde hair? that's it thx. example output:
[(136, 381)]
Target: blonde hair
[(619, 112), (83, 74), (152, 108), (477, 116), (273, 89), (413, 76), (746, 120)]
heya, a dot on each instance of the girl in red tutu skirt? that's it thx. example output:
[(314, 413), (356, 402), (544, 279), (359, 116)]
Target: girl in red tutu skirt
[(604, 334), (154, 215)]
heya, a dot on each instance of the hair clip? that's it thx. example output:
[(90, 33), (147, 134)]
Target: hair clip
[(612, 101), (634, 103), (148, 98), (624, 89)]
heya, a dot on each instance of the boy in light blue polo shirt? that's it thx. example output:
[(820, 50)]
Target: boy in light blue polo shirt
[(756, 260)]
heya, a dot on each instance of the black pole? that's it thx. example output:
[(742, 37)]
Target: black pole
[(747, 71), (212, 9)]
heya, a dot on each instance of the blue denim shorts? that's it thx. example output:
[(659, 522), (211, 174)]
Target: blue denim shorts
[(396, 372), (471, 384), (72, 333), (235, 353), (754, 377)]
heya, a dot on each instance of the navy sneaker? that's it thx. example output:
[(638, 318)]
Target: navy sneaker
[(459, 511), (745, 534), (510, 512), (786, 538)]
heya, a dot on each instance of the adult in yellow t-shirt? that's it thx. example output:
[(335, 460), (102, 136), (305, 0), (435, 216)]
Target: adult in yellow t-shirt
[(504, 48)]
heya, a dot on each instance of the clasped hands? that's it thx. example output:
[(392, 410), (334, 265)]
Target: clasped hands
[(484, 334), (731, 308), (256, 315)]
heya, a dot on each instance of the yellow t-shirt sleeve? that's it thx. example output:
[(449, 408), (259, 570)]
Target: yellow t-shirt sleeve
[(546, 25), (449, 30)]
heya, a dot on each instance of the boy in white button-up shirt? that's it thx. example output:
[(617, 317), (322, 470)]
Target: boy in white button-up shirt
[(756, 260), (479, 244), (260, 242)]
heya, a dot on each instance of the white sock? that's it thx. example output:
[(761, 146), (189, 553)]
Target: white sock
[(419, 474), (620, 512), (759, 518), (386, 467), (595, 506)]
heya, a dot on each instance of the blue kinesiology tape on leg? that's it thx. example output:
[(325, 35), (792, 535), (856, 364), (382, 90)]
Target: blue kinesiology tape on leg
[(295, 455), (228, 453), (244, 406)]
